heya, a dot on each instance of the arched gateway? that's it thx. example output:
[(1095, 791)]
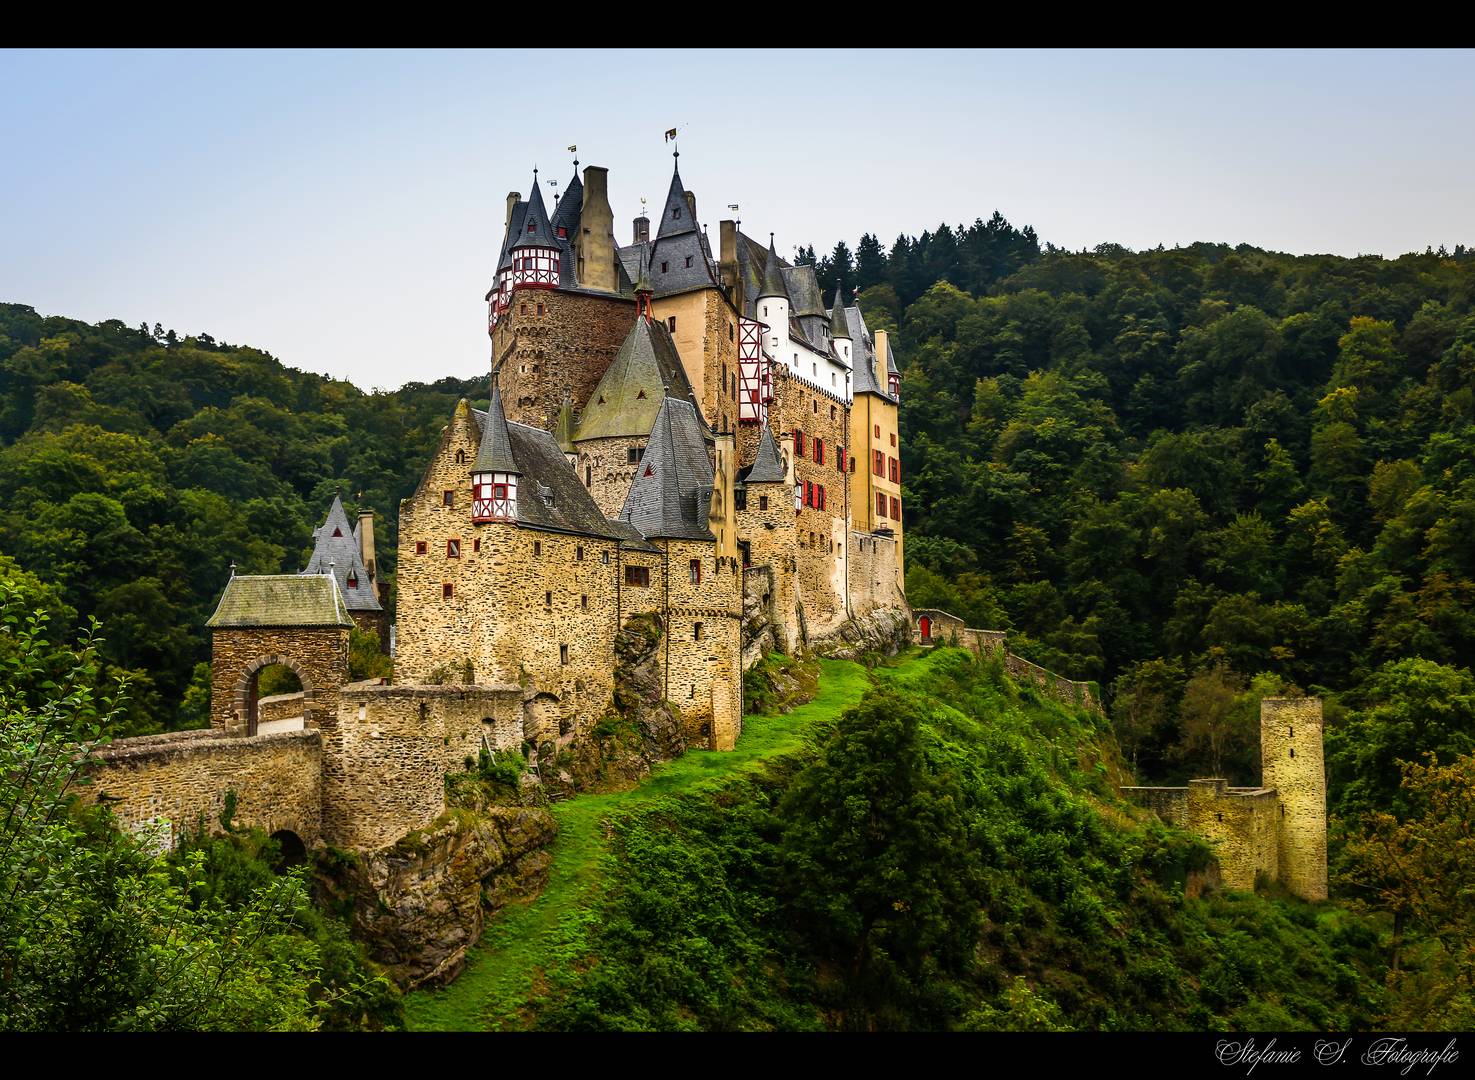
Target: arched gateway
[(296, 620)]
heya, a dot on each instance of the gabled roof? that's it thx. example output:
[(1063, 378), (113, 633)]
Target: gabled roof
[(863, 379), (542, 234), (768, 463), (805, 296), (643, 373), (549, 495), (495, 452), (336, 549), (272, 600), (672, 490)]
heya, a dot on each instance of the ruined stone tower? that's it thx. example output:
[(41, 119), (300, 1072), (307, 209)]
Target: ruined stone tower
[(1292, 762)]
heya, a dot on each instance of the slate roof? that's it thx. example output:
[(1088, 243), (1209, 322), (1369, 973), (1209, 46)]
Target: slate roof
[(670, 497), (774, 283), (676, 218), (839, 324), (336, 545), (768, 463), (514, 226), (272, 600), (628, 398), (542, 234), (567, 507), (805, 297), (863, 356), (495, 454)]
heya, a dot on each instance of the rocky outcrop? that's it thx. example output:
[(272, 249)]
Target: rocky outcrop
[(884, 630), (420, 903)]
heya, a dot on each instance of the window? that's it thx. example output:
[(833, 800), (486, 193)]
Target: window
[(688, 261), (664, 267), (893, 438), (353, 580), (579, 554), (895, 470), (729, 332), (604, 557), (820, 496), (632, 456), (675, 212), (696, 631), (419, 547), (524, 307), (584, 601), (808, 493), (532, 226), (694, 568), (446, 590), (638, 576), (540, 310), (337, 531), (563, 654), (840, 458), (476, 546), (537, 547), (814, 406), (563, 232), (671, 324), (460, 457), (878, 463), (453, 549), (588, 476), (832, 412), (880, 505), (548, 599), (895, 509), (798, 443), (819, 451), (762, 502), (878, 431)]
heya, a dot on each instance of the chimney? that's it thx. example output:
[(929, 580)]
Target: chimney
[(366, 547), (691, 206), (642, 229), (595, 249), (512, 198), (727, 262)]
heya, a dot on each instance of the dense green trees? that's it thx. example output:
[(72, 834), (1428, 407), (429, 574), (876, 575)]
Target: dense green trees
[(136, 466)]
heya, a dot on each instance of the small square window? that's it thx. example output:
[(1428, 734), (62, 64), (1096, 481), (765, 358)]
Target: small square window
[(762, 502), (664, 267), (632, 455), (638, 576), (419, 547), (446, 590), (476, 546), (540, 309), (453, 549), (893, 438)]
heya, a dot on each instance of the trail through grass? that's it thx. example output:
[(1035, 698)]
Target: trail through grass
[(505, 969)]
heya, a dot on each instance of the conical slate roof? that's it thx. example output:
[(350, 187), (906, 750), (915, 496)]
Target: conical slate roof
[(628, 398), (671, 494), (514, 226), (768, 464), (495, 452), (541, 234), (676, 218), (773, 275), (571, 206), (335, 547), (839, 326)]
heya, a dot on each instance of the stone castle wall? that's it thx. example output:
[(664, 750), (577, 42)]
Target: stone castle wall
[(569, 346), (1168, 803), (767, 525), (1241, 825), (183, 776), (874, 574), (702, 656), (605, 469)]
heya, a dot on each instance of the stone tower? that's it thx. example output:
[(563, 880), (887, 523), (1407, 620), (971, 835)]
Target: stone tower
[(1292, 763)]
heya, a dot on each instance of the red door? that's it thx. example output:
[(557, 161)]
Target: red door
[(924, 624)]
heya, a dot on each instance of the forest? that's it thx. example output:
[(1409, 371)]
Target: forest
[(1198, 476)]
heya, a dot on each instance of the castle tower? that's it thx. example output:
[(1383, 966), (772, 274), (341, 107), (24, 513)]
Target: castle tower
[(840, 328), (339, 550), (1292, 763), (494, 475), (773, 307), (767, 533)]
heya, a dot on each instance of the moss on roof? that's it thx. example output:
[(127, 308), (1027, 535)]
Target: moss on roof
[(280, 600)]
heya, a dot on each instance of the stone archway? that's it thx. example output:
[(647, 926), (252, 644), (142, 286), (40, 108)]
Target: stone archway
[(244, 699)]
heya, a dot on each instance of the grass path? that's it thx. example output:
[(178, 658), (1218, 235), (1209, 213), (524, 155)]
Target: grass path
[(505, 968)]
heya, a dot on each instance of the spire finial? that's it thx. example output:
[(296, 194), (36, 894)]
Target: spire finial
[(232, 568)]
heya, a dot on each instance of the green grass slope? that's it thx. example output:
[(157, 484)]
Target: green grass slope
[(927, 846)]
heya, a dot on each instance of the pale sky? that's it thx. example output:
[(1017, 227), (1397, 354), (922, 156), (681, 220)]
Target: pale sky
[(343, 210)]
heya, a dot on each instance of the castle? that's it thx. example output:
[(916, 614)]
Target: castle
[(669, 435)]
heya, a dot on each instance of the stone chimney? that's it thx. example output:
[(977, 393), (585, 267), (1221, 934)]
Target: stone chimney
[(642, 230), (366, 548), (728, 261), (595, 250), (512, 197)]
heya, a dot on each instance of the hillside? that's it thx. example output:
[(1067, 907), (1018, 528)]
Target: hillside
[(926, 847)]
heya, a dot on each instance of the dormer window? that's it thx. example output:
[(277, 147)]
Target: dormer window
[(675, 213), (353, 580), (562, 233), (665, 267), (688, 260), (532, 227)]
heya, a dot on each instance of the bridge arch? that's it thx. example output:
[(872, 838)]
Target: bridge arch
[(246, 694)]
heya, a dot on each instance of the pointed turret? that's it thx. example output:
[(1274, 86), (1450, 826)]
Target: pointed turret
[(768, 463), (839, 326), (495, 453), (336, 550), (670, 497), (494, 475), (677, 217), (566, 217), (536, 230), (773, 275)]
